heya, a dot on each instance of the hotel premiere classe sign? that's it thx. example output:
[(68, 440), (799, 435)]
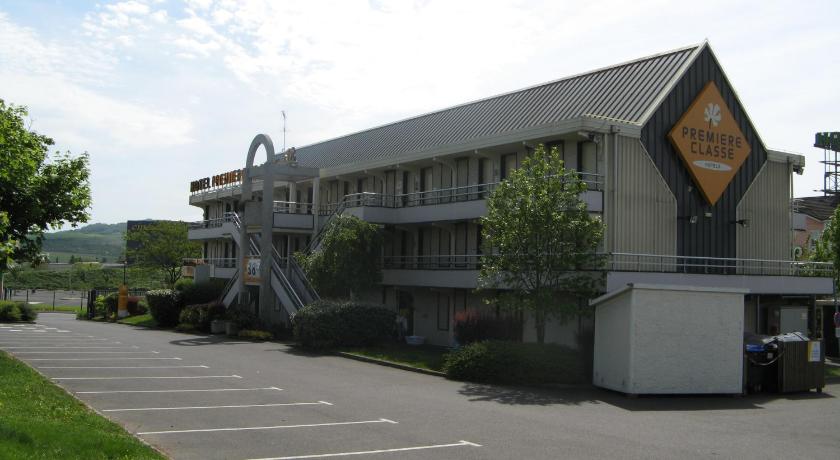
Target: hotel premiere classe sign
[(709, 141)]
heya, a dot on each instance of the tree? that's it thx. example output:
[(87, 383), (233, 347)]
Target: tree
[(347, 263), (827, 248), (541, 241), (37, 192), (164, 246)]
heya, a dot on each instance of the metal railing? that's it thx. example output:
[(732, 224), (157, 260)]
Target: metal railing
[(292, 207), (216, 222), (629, 262), (229, 285), (218, 262)]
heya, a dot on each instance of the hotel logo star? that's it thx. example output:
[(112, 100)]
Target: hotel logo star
[(711, 144)]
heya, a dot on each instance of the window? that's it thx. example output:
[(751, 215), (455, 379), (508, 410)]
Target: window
[(442, 312), (508, 165)]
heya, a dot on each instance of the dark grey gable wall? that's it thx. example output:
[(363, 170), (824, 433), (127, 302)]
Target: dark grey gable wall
[(715, 236)]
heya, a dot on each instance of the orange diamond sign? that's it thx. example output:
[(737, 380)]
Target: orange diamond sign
[(709, 141)]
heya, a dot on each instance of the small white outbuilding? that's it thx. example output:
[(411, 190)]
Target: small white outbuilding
[(659, 339)]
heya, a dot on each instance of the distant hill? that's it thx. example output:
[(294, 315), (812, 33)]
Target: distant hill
[(90, 243)]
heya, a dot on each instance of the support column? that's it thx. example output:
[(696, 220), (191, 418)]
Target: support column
[(293, 198), (316, 198), (266, 235)]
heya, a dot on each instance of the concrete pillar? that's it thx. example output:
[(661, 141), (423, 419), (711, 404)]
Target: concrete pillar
[(266, 234), (293, 196), (316, 203)]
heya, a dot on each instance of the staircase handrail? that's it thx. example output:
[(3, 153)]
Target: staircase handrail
[(342, 205), (229, 285), (275, 266), (295, 266)]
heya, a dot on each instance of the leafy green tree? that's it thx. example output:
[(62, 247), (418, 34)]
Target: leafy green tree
[(347, 262), (163, 246), (827, 248), (37, 192), (541, 241)]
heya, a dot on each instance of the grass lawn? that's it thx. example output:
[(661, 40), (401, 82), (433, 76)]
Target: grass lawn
[(140, 320), (58, 308), (38, 420), (423, 356), (832, 371)]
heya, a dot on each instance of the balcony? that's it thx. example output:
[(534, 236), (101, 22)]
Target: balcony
[(449, 204), (759, 276), (293, 216), (220, 267), (211, 229)]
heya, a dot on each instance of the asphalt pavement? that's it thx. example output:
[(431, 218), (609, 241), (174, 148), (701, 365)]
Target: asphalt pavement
[(208, 397)]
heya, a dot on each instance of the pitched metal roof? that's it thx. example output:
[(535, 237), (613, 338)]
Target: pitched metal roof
[(623, 92), (818, 207)]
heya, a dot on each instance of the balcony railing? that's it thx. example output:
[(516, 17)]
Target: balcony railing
[(218, 262), (214, 223), (627, 262), (437, 196), (292, 207)]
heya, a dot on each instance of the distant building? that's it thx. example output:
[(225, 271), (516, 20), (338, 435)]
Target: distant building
[(811, 214)]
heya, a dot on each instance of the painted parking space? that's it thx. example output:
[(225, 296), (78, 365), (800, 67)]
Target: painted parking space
[(194, 410)]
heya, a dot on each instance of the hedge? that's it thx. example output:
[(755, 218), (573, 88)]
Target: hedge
[(326, 324), (200, 316), (202, 293), (11, 311), (165, 306), (496, 361)]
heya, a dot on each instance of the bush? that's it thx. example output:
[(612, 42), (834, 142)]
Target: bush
[(99, 306), (9, 311), (326, 324), (201, 293), (254, 334), (27, 313), (200, 316), (512, 362), (183, 283), (164, 306), (472, 326), (111, 302), (136, 306)]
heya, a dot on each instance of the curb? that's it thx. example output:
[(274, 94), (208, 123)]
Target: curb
[(381, 362)]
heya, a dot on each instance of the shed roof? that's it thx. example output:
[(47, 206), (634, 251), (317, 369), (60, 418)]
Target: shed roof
[(622, 92), (818, 207)]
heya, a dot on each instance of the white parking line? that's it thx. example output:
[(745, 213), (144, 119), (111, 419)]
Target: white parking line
[(91, 359), (380, 451), (76, 352), (221, 407), (133, 347), (122, 367), (276, 427), (156, 377), (175, 391)]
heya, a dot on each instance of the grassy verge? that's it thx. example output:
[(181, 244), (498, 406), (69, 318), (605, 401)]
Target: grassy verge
[(424, 356), (38, 420), (831, 371), (139, 320), (58, 308)]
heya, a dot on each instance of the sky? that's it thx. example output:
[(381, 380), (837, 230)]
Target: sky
[(162, 92)]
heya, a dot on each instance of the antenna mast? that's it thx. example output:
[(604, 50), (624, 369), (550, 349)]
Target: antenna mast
[(283, 112)]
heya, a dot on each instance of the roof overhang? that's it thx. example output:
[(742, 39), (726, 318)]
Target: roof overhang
[(781, 156), (588, 123)]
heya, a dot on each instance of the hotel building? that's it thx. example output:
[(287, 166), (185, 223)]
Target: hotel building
[(688, 192)]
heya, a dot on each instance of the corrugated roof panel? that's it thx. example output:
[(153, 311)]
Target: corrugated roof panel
[(624, 92)]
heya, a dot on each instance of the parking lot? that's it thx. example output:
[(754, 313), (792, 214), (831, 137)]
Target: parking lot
[(209, 397)]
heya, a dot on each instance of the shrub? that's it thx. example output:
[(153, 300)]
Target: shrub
[(200, 316), (512, 362), (27, 313), (472, 326), (254, 334), (200, 293), (182, 283), (9, 311), (242, 318), (326, 324), (99, 306), (136, 306), (164, 306), (111, 302)]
